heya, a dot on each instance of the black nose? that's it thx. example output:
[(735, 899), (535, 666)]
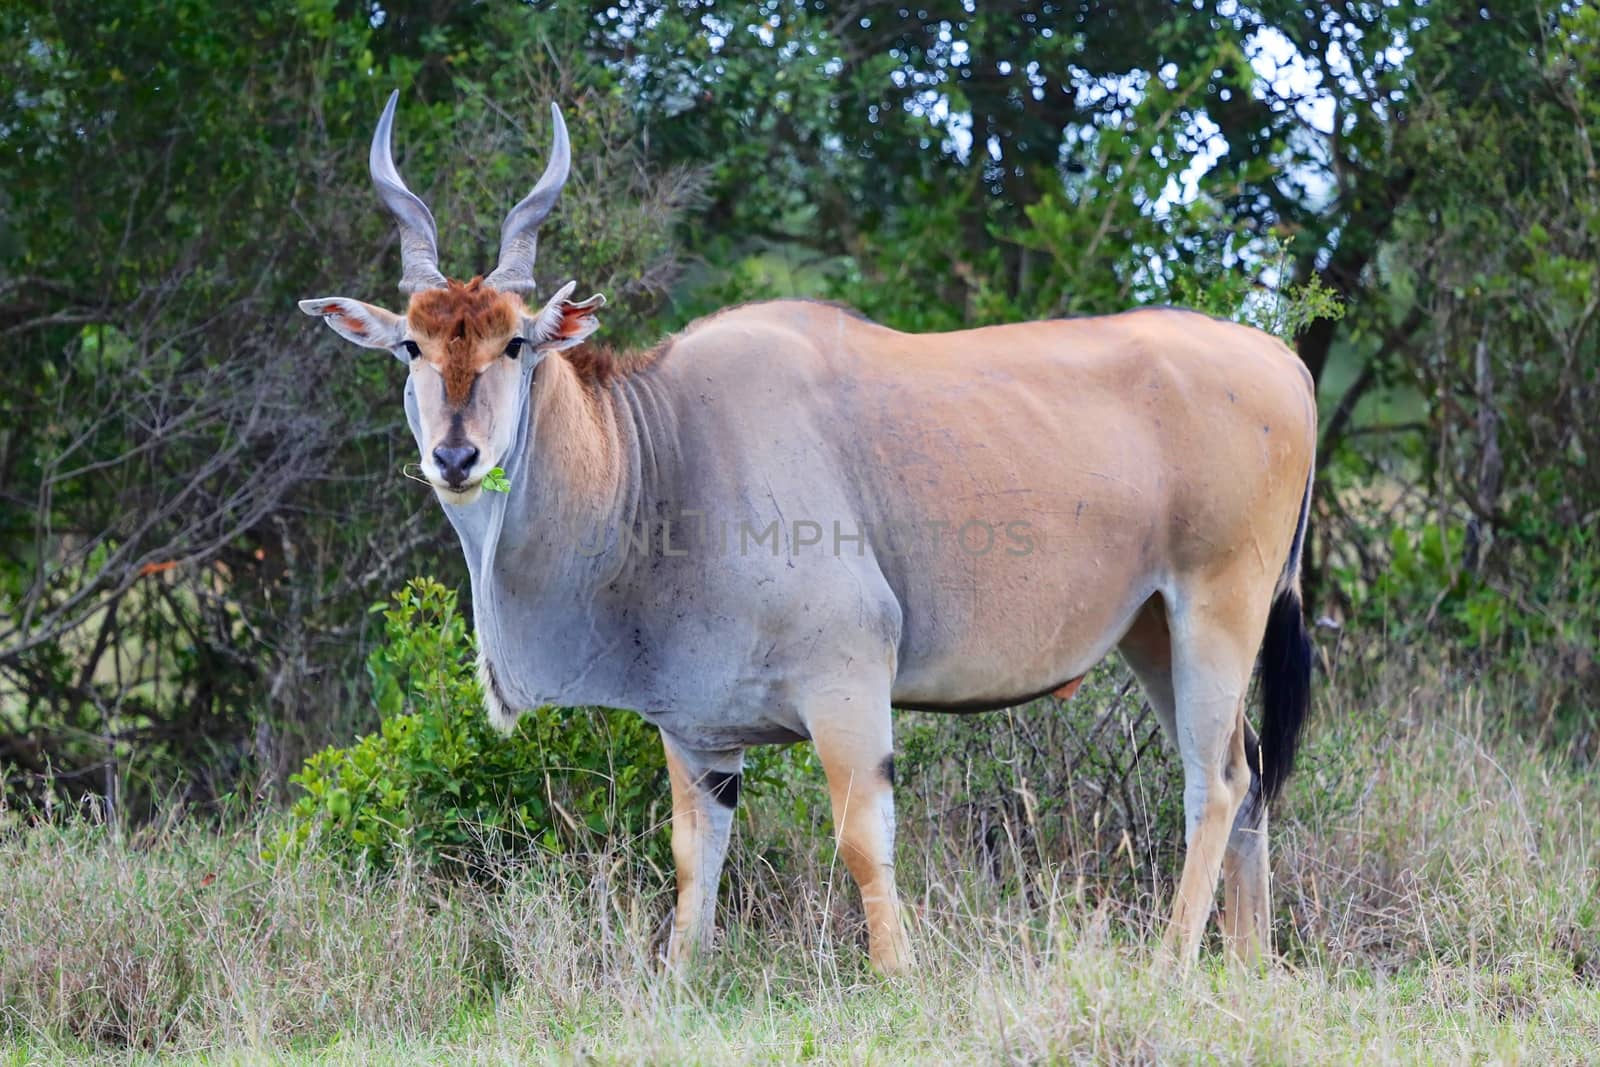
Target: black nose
[(455, 461)]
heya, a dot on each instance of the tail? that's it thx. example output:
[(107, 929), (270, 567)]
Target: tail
[(1285, 670)]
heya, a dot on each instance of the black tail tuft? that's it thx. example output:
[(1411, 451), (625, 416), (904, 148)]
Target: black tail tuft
[(1285, 690)]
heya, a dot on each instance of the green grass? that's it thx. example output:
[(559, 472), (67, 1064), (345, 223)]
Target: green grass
[(1436, 882)]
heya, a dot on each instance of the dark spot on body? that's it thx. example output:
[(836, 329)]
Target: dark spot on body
[(886, 769), (723, 787), (494, 684)]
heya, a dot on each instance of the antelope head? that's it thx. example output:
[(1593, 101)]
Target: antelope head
[(471, 346)]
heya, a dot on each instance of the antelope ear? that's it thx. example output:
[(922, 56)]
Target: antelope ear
[(367, 326), (563, 323)]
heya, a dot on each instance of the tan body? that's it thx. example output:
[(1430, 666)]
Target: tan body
[(786, 520), (1152, 467), (1130, 455)]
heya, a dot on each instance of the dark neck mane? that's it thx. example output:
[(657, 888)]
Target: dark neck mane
[(599, 365)]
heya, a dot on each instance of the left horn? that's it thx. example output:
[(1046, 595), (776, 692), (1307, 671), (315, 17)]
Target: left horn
[(419, 238), (519, 235)]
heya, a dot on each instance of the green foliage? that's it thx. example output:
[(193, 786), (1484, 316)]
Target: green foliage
[(1546, 631), (436, 784), (1284, 308), (1469, 520), (181, 562), (496, 481), (184, 571)]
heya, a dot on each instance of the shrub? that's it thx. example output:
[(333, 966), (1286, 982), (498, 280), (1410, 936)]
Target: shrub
[(437, 784), (1530, 611)]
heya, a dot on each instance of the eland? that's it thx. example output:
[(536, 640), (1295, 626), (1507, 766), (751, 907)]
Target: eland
[(786, 520)]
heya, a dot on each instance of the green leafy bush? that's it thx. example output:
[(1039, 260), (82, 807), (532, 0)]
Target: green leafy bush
[(437, 784), (1530, 610)]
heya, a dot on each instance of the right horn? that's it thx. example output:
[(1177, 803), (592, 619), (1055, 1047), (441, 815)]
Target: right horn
[(419, 238), (519, 235)]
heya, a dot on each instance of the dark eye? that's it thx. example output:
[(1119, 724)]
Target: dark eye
[(514, 349), (411, 348)]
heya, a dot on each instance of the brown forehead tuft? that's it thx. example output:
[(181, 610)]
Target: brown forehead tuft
[(461, 315), (468, 311)]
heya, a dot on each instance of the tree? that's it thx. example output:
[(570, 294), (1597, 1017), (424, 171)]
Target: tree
[(201, 493)]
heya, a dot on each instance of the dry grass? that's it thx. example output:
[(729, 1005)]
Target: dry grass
[(1439, 891), (189, 940)]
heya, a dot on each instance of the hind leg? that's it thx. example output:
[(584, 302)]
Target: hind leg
[(1246, 916), (1147, 648), (1215, 635)]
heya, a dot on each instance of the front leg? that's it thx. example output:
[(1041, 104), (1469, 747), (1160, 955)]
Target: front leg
[(854, 741), (705, 789)]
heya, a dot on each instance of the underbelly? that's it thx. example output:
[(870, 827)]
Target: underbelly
[(1002, 668), (1064, 691)]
